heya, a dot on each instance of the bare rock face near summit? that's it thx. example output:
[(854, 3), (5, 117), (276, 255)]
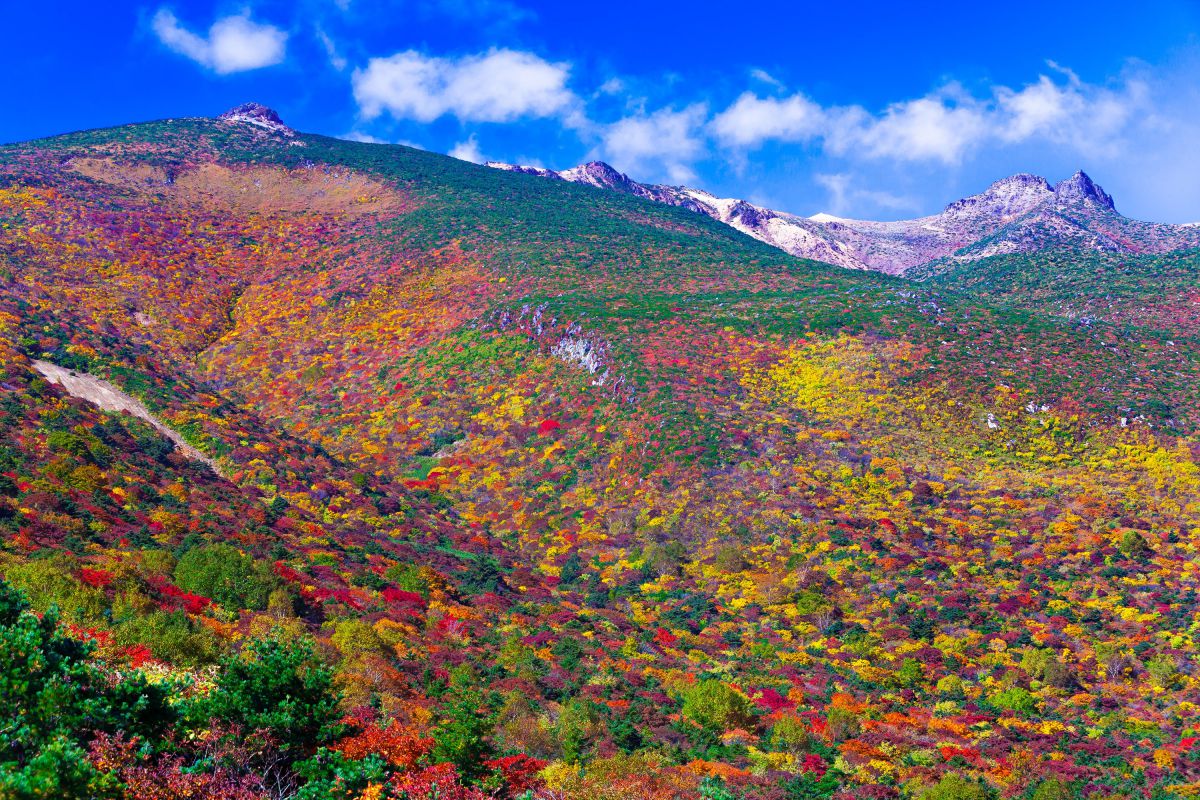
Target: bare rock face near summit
[(1019, 214)]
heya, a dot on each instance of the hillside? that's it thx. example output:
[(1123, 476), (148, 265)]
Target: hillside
[(568, 492), (1016, 215)]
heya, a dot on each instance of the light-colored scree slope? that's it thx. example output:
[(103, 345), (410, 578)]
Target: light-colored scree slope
[(110, 398)]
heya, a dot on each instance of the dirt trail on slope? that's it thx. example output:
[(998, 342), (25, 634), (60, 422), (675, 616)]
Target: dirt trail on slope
[(110, 398)]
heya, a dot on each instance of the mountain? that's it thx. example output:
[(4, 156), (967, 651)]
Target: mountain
[(1019, 214), (349, 470)]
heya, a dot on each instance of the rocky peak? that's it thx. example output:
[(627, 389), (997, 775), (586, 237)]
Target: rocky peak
[(258, 115), (750, 215), (1006, 197), (1079, 187), (597, 173)]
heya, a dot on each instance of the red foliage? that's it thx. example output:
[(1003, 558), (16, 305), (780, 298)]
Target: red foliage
[(137, 654), (96, 578), (772, 700), (192, 603), (665, 638), (439, 782), (287, 573), (813, 763), (548, 425), (163, 777), (400, 597), (400, 747), (519, 772)]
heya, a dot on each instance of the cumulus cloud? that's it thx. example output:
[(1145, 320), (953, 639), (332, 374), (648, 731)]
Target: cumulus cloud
[(935, 128), (946, 125), (234, 44), (752, 120), (498, 86), (468, 151), (666, 140)]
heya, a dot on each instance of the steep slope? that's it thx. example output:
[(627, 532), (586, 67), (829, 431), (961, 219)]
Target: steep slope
[(1019, 214), (590, 478)]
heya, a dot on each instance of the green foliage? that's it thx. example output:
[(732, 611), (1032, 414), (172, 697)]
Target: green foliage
[(714, 789), (172, 636), (483, 575), (1014, 698), (463, 734), (841, 723), (809, 602), (791, 733), (329, 775), (354, 638), (48, 582), (409, 578), (1045, 666), (1053, 789), (811, 786), (730, 559), (54, 699), (575, 727), (227, 575), (278, 688), (715, 705), (571, 569), (1134, 546), (911, 673), (1164, 672), (59, 770), (956, 787)]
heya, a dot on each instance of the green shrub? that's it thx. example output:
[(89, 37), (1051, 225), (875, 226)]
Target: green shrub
[(1053, 789), (172, 636), (956, 787), (54, 699), (408, 577), (329, 775), (463, 733), (278, 687), (1014, 699), (227, 575), (714, 705), (48, 582)]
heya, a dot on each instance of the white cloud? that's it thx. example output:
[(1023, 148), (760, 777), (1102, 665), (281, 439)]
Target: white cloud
[(468, 151), (947, 125), (359, 136), (766, 77), (844, 195), (934, 128), (336, 59), (498, 86), (752, 120), (667, 140), (234, 44), (612, 86)]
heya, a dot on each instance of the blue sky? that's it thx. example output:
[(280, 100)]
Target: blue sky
[(855, 108)]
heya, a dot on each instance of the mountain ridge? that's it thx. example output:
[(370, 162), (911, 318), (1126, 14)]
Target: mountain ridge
[(1019, 213)]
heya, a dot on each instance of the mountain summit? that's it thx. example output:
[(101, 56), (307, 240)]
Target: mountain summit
[(258, 115), (1019, 214), (1079, 187)]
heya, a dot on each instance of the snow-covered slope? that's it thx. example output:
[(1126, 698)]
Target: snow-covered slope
[(1021, 213)]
